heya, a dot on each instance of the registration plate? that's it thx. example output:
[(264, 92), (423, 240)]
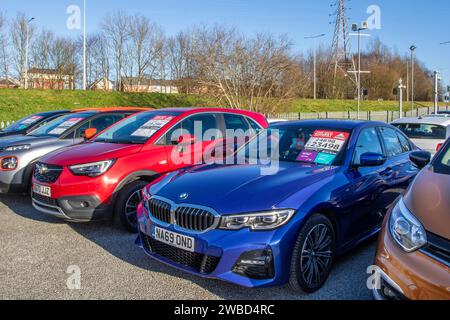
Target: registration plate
[(173, 239), (42, 190)]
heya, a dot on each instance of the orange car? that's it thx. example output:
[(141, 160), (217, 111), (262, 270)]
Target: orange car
[(413, 256)]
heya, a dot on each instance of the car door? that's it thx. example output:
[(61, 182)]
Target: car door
[(237, 132), (399, 169), (365, 186), (204, 127)]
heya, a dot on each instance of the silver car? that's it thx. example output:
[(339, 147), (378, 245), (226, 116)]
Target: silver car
[(427, 132), (19, 154)]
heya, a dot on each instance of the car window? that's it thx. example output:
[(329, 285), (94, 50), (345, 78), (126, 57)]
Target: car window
[(406, 146), (207, 122), (137, 129), (423, 131), (441, 165), (391, 142), (61, 125), (43, 123), (254, 125), (79, 133), (368, 142), (23, 124), (299, 143), (235, 122), (100, 123)]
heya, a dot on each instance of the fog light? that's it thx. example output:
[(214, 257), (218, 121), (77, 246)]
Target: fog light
[(256, 264), (390, 293), (9, 163)]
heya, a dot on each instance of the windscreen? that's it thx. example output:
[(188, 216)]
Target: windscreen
[(137, 129), (423, 131), (23, 124), (303, 144), (60, 125)]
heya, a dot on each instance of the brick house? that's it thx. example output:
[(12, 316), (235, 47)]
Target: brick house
[(103, 84), (8, 84), (149, 85), (50, 79)]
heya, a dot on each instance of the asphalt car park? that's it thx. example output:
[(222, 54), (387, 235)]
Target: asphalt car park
[(37, 251)]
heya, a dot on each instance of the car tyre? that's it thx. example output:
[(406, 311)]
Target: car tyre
[(126, 205), (313, 255)]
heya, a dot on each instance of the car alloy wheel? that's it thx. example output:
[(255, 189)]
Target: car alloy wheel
[(313, 254), (125, 211), (131, 207), (316, 255)]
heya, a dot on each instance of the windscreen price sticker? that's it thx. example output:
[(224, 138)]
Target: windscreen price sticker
[(32, 120), (63, 127), (329, 141), (152, 126)]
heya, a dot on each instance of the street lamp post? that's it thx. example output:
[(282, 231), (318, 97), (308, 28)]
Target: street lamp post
[(26, 52), (355, 28), (412, 48), (315, 62), (436, 92), (400, 98)]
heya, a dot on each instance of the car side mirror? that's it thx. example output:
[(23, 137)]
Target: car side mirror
[(90, 133), (186, 139), (420, 158), (370, 159)]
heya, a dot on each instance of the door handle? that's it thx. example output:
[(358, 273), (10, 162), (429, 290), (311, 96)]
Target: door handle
[(387, 172)]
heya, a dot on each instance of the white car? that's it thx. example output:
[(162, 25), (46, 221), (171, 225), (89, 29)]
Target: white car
[(274, 121), (427, 132)]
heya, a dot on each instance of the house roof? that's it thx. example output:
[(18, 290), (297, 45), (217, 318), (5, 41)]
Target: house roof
[(7, 82), (46, 71), (100, 80), (148, 82)]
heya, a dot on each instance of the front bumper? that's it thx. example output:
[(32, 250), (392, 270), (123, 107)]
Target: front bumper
[(220, 250), (13, 181), (413, 276), (80, 199), (71, 208)]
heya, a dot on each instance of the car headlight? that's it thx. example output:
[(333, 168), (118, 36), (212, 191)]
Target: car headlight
[(257, 221), (406, 230), (18, 148), (92, 169), (9, 163)]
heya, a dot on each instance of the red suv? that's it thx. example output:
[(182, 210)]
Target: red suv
[(103, 178)]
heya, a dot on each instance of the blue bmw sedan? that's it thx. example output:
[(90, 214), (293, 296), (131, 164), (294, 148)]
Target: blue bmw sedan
[(333, 184)]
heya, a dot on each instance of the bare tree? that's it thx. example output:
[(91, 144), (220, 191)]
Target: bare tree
[(116, 28), (181, 60), (18, 30), (40, 53), (98, 61), (4, 48), (145, 46), (245, 72)]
